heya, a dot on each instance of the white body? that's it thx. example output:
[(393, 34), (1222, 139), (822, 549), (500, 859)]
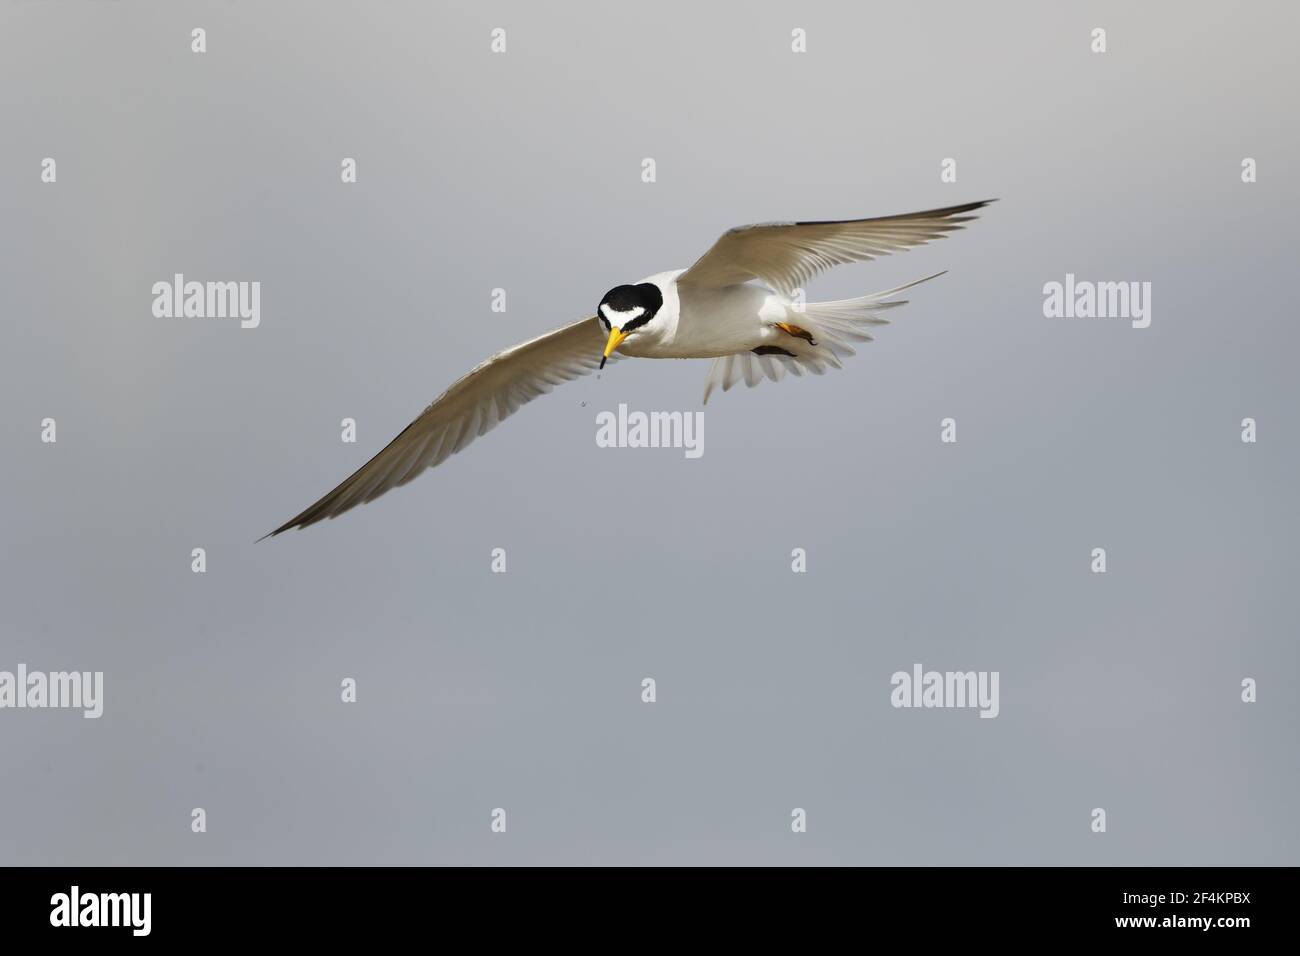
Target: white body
[(728, 323), (708, 323)]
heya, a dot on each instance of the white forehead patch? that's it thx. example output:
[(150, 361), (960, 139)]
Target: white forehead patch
[(620, 319)]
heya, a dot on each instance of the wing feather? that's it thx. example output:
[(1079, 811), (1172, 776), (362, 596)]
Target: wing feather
[(473, 406), (786, 255)]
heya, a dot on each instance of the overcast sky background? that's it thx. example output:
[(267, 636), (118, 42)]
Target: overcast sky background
[(522, 691)]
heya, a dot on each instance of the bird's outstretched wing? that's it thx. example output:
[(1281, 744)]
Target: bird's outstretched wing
[(785, 255), (471, 407)]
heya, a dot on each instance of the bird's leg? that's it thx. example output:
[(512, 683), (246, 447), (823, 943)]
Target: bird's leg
[(797, 332)]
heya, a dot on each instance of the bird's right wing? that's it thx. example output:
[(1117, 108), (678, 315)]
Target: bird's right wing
[(472, 406), (785, 255)]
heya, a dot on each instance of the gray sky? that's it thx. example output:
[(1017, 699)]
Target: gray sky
[(523, 690)]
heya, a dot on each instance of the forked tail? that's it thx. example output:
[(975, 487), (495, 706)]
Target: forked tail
[(830, 330)]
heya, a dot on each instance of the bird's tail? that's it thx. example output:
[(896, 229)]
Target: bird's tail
[(840, 323), (831, 329)]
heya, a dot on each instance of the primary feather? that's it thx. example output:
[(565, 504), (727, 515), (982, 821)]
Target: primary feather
[(785, 255), (474, 405)]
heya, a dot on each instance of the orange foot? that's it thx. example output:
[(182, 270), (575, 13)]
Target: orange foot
[(797, 332)]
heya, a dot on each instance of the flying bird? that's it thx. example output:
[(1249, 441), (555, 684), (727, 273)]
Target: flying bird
[(740, 304)]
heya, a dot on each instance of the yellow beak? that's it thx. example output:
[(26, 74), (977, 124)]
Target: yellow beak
[(616, 337)]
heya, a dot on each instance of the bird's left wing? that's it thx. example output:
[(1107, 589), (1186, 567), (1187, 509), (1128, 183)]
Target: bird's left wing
[(785, 255), (471, 407)]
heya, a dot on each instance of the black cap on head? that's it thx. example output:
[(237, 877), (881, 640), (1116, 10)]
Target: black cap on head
[(629, 307)]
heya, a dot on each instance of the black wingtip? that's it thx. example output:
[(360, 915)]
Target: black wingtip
[(271, 534), (966, 207), (950, 213)]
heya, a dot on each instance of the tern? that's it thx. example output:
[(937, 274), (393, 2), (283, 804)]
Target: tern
[(741, 304)]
